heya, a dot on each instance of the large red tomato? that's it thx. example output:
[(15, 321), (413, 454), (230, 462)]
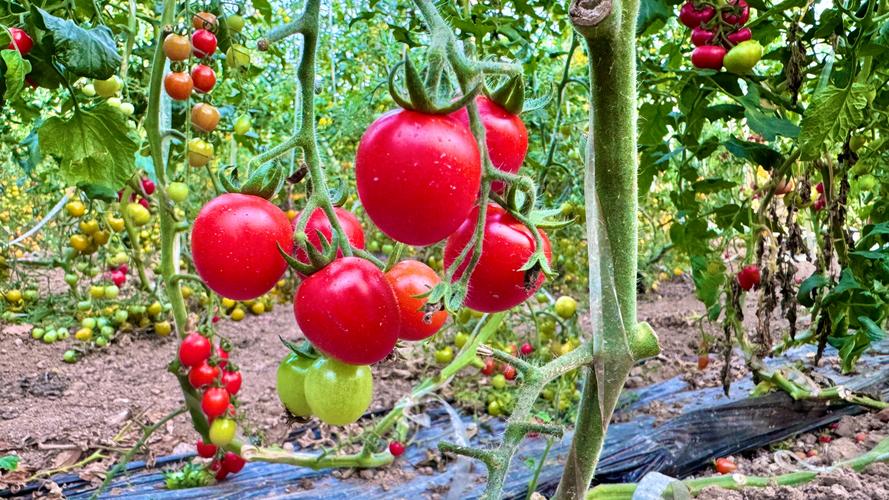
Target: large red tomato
[(318, 222), (505, 136), (496, 283), (409, 279), (418, 175), (348, 311), (233, 244)]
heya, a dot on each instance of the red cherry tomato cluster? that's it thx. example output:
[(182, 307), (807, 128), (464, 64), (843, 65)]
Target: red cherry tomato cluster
[(713, 35), (147, 186), (219, 382), (821, 202), (491, 367), (118, 274), (749, 277)]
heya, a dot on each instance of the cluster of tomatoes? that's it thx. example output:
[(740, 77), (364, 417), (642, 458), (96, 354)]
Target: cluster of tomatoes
[(721, 40), (179, 83), (220, 381)]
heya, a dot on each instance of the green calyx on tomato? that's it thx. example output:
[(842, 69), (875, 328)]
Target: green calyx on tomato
[(743, 57)]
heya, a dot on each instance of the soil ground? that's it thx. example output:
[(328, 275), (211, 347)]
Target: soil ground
[(55, 415)]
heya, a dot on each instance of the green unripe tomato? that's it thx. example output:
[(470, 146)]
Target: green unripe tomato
[(460, 339), (97, 292), (494, 409), (388, 248), (291, 385), (243, 125), (222, 431), (31, 295), (62, 333), (743, 57), (857, 142), (120, 317), (111, 292), (50, 337), (37, 333), (114, 102), (101, 342), (234, 23), (338, 393), (547, 394), (93, 271), (127, 108), (177, 191), (107, 331), (108, 88), (542, 298), (566, 307), (444, 355), (89, 90), (84, 305), (88, 322), (499, 381), (70, 356), (102, 321)]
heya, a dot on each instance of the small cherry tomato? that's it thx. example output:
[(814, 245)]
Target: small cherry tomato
[(204, 21), (204, 117), (222, 431), (396, 448), (178, 85), (177, 47), (205, 450), (708, 57), (202, 375), (204, 78), (725, 466), (194, 350), (231, 381), (203, 43), (21, 41), (215, 402)]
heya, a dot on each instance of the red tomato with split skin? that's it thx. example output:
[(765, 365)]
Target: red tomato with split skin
[(318, 221), (496, 283), (348, 311), (505, 136), (410, 279), (234, 244), (418, 175)]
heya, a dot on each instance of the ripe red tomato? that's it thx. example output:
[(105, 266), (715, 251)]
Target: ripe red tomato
[(509, 372), (409, 279), (505, 136), (742, 35), (496, 283), (703, 362), (233, 244), (489, 367), (348, 311), (194, 349), (223, 357), (418, 175), (725, 466), (204, 20), (749, 277), (708, 57), (215, 402), (148, 186), (819, 204), (527, 349), (205, 450), (318, 222), (701, 36), (21, 41), (396, 448), (692, 16), (178, 85), (232, 462), (202, 374), (203, 43), (738, 14), (231, 381), (204, 78)]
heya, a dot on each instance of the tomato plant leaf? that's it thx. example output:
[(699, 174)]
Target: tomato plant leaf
[(651, 11), (93, 146), (16, 69), (872, 329), (88, 53), (708, 276), (806, 293), (264, 8), (712, 185), (759, 154), (98, 192), (833, 113)]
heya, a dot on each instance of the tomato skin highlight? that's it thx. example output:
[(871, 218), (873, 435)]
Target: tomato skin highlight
[(505, 136), (418, 175), (708, 57), (233, 243), (408, 279), (496, 283), (348, 311), (318, 222), (290, 384), (338, 393)]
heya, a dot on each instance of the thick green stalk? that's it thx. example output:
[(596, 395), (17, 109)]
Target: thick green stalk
[(611, 204)]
